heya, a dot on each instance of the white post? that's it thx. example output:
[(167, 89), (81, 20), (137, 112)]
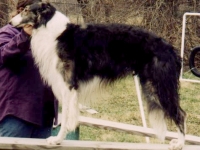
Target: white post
[(183, 39), (140, 104)]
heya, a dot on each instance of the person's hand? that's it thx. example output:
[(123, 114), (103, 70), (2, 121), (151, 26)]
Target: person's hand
[(28, 29)]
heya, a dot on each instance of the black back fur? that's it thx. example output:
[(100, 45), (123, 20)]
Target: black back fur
[(114, 51)]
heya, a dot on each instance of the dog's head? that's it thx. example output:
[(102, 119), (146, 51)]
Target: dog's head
[(36, 15)]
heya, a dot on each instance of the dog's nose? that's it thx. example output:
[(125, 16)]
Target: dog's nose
[(10, 22)]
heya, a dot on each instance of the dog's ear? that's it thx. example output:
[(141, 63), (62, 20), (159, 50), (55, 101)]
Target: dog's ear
[(46, 10), (44, 13), (45, 6)]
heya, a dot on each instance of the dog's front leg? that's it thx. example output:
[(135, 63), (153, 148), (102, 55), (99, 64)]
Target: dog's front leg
[(70, 114)]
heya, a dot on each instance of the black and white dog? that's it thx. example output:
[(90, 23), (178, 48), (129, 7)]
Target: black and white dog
[(71, 58)]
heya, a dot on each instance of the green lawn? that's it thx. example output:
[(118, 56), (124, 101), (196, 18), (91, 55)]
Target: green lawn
[(120, 104)]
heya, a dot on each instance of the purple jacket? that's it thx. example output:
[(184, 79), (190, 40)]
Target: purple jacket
[(22, 92)]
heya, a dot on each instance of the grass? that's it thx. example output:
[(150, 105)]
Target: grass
[(121, 104)]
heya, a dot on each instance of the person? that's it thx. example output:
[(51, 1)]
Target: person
[(27, 106)]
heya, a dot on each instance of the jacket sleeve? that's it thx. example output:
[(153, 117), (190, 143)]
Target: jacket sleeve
[(12, 45)]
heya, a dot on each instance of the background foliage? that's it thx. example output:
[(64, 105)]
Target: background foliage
[(163, 17)]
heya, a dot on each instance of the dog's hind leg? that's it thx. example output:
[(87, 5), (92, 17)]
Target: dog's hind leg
[(157, 115), (154, 110), (161, 92), (179, 117), (180, 121)]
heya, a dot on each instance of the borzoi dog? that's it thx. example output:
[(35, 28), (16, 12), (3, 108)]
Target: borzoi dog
[(71, 57)]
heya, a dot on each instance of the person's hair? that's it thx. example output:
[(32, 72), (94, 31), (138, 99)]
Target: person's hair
[(21, 4), (24, 3)]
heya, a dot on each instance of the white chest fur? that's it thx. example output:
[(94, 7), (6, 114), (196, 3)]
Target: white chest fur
[(44, 43)]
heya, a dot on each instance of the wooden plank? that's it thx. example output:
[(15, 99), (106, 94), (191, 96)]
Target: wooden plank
[(137, 130), (40, 144)]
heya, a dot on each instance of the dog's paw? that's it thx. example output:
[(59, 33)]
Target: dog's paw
[(175, 144), (54, 140)]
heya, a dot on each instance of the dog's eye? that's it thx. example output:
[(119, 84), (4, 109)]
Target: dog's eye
[(25, 10), (41, 9)]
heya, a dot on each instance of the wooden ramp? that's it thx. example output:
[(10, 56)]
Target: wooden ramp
[(136, 130), (40, 144)]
